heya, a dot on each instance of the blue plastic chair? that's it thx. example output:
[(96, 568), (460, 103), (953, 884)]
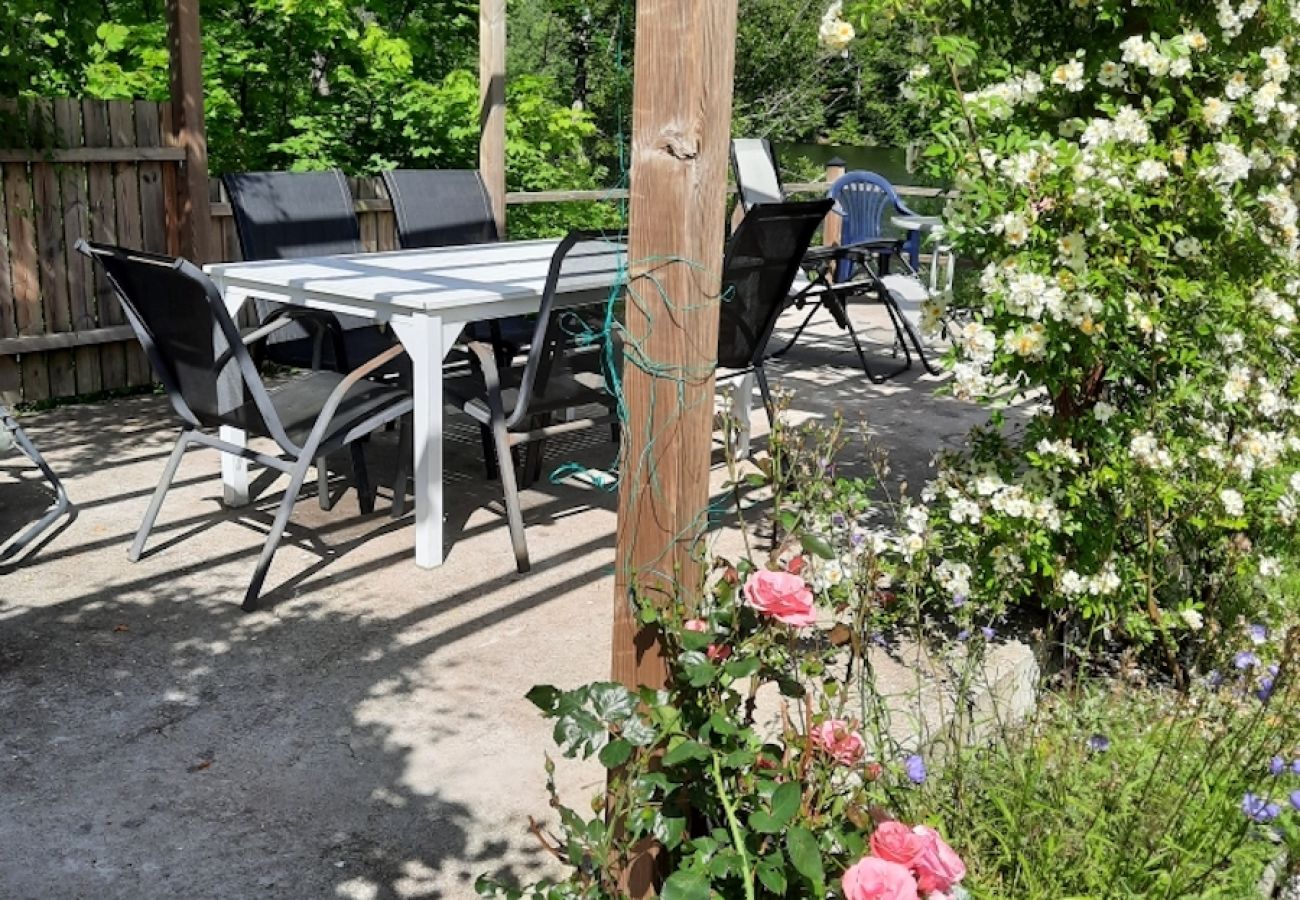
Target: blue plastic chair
[(864, 199)]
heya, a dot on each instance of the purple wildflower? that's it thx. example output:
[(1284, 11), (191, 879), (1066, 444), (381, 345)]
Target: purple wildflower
[(915, 767), (963, 634), (988, 633), (1276, 766), (1245, 660), (1260, 809), (838, 520), (958, 601), (1265, 689), (1214, 678), (1295, 800), (1099, 743), (1295, 767), (1258, 634)]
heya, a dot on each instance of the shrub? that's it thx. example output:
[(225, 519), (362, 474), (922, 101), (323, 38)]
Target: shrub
[(1131, 207)]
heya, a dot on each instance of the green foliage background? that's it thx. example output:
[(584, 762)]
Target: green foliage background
[(306, 84)]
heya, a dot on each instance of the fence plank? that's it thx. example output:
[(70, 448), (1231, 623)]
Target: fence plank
[(20, 221), (171, 182), (364, 189), (130, 232), (103, 227), (52, 260), (10, 377), (72, 181), (153, 205)]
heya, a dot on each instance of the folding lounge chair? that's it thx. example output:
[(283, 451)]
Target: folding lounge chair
[(13, 436), (864, 256), (761, 263), (291, 215), (197, 353)]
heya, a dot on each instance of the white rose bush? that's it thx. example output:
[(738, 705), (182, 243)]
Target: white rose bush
[(1130, 206)]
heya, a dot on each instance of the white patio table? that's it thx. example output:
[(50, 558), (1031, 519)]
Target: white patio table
[(426, 297)]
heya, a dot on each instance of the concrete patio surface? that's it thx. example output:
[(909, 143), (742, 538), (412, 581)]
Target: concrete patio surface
[(365, 735)]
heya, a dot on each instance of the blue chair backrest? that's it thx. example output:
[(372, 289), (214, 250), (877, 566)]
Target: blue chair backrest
[(863, 199)]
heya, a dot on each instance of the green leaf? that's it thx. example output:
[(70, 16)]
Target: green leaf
[(771, 872), (805, 855), (686, 751), (763, 823), (785, 801), (544, 697), (816, 545), (742, 668), (685, 885), (615, 753)]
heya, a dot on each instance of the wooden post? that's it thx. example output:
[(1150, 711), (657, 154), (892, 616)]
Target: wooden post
[(185, 43), (833, 228), (492, 105), (685, 53)]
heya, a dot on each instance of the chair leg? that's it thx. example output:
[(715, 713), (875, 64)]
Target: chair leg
[(404, 454), (490, 461), (296, 479), (514, 515), (760, 375), (155, 504), (323, 483), (798, 331), (365, 495)]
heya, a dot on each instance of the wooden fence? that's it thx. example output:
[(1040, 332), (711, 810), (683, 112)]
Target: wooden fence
[(110, 171)]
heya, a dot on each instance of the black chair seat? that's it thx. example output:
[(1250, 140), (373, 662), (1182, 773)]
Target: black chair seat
[(563, 391), (299, 401)]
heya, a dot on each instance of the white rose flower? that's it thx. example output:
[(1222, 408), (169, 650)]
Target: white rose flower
[(1192, 619), (1014, 228), (1103, 412), (1232, 501), (1237, 87), (1069, 76), (1112, 74), (1187, 247), (1216, 113), (1151, 170), (1270, 566)]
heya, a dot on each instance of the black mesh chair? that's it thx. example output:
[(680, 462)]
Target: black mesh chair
[(447, 208), (762, 260), (519, 404), (12, 436), (197, 353), (290, 215)]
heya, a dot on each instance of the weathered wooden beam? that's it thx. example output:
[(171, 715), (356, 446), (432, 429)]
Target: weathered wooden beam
[(185, 43), (64, 340), (681, 115), (492, 105), (94, 155)]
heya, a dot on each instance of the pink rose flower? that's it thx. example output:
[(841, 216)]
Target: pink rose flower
[(795, 566), (839, 740), (939, 867), (896, 842), (695, 625), (879, 879), (718, 652), (781, 595)]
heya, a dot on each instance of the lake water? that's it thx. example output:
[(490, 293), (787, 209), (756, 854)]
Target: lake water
[(890, 162)]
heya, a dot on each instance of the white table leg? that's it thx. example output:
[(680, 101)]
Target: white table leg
[(423, 339), (234, 469), (742, 402)]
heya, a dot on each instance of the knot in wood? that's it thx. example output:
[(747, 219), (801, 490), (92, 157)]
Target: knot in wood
[(676, 145)]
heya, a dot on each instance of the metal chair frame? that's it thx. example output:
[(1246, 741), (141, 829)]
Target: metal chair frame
[(62, 504), (295, 458)]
